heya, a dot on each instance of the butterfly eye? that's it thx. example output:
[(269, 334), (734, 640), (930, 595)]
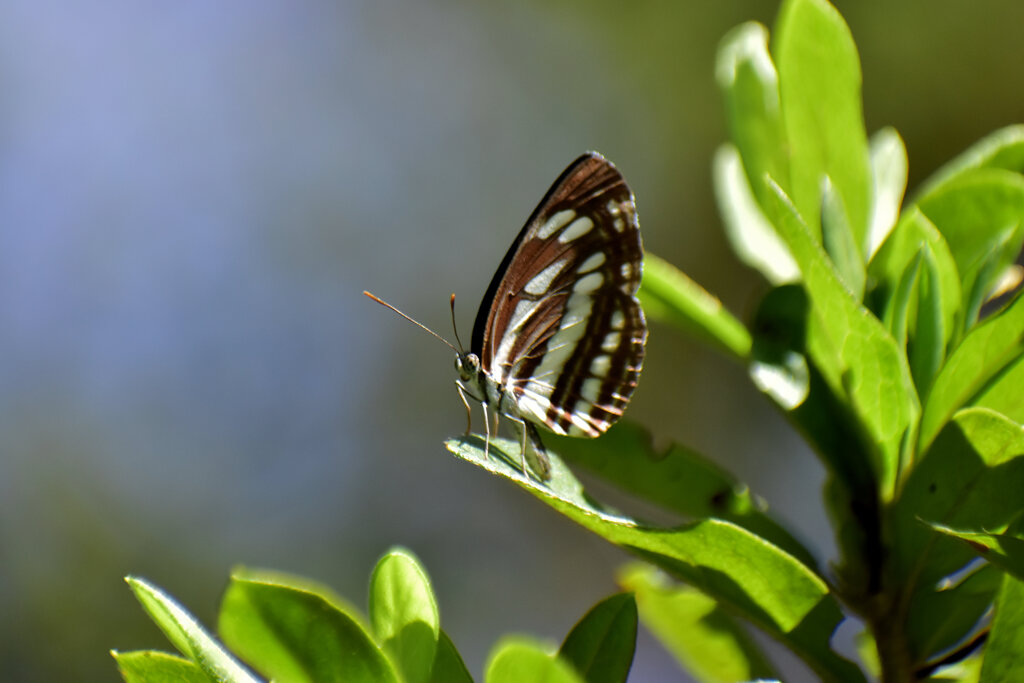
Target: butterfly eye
[(467, 365)]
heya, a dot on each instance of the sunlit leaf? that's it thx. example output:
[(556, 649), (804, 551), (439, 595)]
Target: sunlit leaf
[(1004, 549), (853, 350), (677, 478), (150, 666), (819, 88), (188, 635), (750, 90), (1002, 149), (755, 578), (702, 637), (750, 233), (291, 633), (404, 614), (839, 242), (889, 181), (515, 660)]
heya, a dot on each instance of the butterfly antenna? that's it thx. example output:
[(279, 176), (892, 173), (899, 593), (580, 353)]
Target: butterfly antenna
[(455, 328), (415, 322)]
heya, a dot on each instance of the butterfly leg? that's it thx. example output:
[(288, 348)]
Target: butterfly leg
[(539, 461), (469, 411), (487, 431)]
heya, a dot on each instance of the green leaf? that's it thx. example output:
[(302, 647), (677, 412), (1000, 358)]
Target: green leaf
[(980, 213), (827, 422), (898, 312), (971, 478), (819, 88), (766, 584), (1004, 652), (1002, 549), (670, 296), (677, 478), (943, 616), (888, 158), (838, 240), (927, 348), (404, 613), (448, 664), (188, 635), (855, 353), (150, 666), (750, 233), (985, 352), (1003, 394), (702, 637), (888, 270), (291, 632), (750, 90), (1002, 149), (517, 659), (601, 645)]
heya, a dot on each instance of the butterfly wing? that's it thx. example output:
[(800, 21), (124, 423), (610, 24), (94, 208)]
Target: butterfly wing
[(560, 326)]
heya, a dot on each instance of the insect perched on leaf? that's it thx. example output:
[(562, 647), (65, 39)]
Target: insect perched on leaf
[(559, 337)]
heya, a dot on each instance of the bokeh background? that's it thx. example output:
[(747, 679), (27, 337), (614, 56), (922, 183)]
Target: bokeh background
[(192, 197)]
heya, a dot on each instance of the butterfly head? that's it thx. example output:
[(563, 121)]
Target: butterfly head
[(467, 365)]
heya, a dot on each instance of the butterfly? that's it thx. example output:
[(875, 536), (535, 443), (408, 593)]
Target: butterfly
[(559, 337)]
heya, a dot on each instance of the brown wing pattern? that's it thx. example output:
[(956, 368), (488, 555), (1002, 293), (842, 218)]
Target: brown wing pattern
[(564, 332)]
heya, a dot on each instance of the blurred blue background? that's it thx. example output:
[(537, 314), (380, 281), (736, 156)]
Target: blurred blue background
[(193, 196)]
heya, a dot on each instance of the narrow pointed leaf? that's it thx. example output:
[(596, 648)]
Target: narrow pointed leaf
[(289, 632), (696, 631), (928, 346), (404, 614), (600, 646), (150, 666), (1002, 549), (752, 576), (839, 241), (667, 294), (899, 310), (889, 267), (188, 635)]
